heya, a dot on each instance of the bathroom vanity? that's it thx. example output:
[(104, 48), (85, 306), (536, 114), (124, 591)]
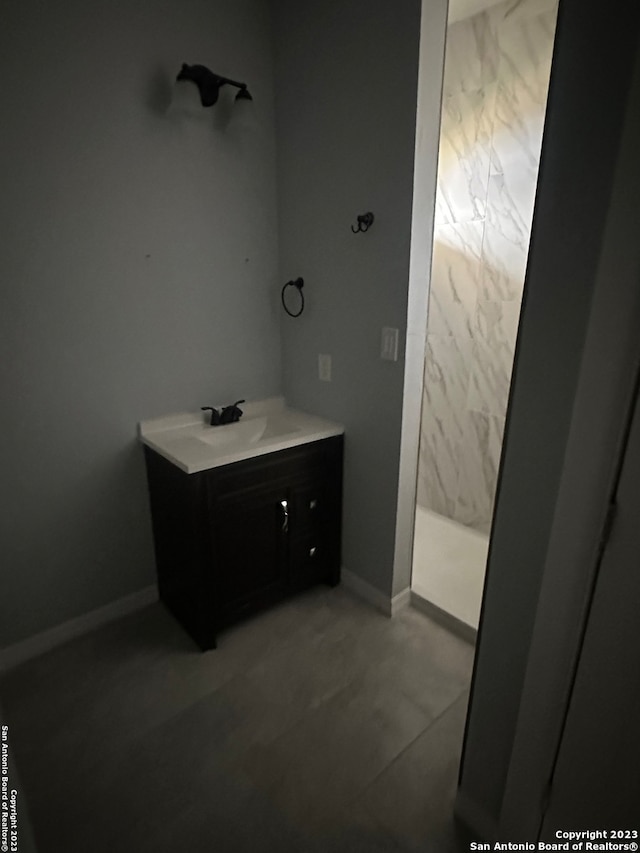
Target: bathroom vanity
[(243, 514)]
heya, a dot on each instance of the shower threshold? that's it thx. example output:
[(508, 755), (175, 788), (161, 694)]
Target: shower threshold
[(449, 563)]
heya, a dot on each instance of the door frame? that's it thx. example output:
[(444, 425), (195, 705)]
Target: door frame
[(433, 33), (602, 412), (607, 369)]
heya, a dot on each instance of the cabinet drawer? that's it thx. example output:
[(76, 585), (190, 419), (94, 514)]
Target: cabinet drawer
[(305, 463), (311, 507), (310, 560)]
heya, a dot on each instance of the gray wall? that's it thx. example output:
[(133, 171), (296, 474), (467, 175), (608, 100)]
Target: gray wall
[(578, 161), (346, 83), (138, 272)]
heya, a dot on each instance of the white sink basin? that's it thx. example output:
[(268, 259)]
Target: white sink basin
[(249, 431), (187, 440)]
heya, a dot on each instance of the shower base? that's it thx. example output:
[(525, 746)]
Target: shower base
[(449, 563)]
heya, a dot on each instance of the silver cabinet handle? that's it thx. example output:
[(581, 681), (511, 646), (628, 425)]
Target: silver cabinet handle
[(285, 515)]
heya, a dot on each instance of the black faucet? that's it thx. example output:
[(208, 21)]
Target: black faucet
[(228, 414), (231, 414), (215, 415)]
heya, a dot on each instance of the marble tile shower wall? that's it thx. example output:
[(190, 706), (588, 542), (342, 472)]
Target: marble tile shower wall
[(495, 88)]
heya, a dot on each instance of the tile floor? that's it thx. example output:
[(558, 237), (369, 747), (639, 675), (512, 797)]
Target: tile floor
[(318, 726), (449, 562)]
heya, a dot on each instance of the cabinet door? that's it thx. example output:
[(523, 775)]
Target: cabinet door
[(249, 545)]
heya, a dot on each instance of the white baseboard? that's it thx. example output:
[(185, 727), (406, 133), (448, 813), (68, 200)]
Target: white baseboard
[(366, 591), (372, 595), (400, 601), (23, 651), (32, 647)]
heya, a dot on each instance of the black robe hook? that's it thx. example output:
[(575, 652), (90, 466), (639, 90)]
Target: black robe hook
[(365, 221)]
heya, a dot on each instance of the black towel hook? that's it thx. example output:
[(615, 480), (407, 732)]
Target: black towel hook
[(365, 221)]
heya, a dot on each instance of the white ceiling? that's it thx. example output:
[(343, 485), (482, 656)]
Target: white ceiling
[(459, 9)]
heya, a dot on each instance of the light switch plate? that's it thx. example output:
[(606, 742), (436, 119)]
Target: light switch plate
[(389, 344), (324, 367)]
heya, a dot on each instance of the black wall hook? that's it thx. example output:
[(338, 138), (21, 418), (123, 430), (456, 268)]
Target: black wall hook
[(365, 221)]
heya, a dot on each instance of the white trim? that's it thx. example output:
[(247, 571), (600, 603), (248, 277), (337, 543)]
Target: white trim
[(372, 595), (400, 601), (367, 592), (433, 28), (43, 642)]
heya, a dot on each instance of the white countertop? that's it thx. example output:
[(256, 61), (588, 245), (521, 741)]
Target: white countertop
[(187, 440)]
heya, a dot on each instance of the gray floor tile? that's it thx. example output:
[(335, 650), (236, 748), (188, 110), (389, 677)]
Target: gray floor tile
[(413, 798), (328, 758), (352, 830), (421, 660), (310, 728)]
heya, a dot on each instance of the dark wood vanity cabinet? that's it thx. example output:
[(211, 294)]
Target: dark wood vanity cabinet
[(232, 540)]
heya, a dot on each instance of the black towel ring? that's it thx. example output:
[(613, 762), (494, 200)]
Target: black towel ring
[(298, 284)]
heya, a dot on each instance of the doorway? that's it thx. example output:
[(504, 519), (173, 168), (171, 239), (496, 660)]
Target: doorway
[(496, 76)]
